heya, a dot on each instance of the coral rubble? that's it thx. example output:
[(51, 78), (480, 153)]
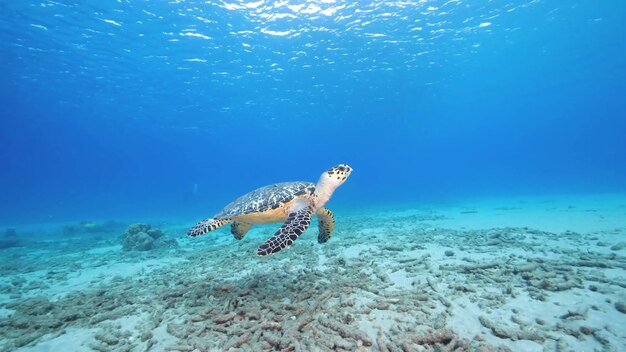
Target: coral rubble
[(379, 285), (142, 237)]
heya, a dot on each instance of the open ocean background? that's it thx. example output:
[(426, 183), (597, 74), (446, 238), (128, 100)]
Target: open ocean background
[(171, 109), (486, 210)]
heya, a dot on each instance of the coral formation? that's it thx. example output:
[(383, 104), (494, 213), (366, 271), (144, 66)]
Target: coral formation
[(9, 239), (10, 233), (142, 237)]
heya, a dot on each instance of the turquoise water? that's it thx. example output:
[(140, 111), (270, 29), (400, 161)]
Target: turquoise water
[(121, 108), (486, 138)]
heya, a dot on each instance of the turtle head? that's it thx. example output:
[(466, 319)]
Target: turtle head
[(328, 183), (337, 175)]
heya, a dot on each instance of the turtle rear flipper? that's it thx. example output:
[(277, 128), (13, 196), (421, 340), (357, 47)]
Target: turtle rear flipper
[(295, 225), (239, 229), (326, 224), (207, 225)]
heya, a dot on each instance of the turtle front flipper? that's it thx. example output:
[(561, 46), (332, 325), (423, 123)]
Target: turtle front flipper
[(239, 229), (326, 224), (294, 226), (207, 225)]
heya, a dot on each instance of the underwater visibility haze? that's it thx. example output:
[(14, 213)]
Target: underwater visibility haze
[(486, 209)]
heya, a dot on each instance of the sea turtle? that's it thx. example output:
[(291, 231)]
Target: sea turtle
[(293, 203)]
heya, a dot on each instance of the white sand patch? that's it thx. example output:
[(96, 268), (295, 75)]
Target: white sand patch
[(378, 320), (73, 339), (4, 312), (104, 250), (355, 251), (400, 280), (554, 214), (118, 269), (322, 262), (130, 323), (92, 276), (558, 213), (162, 337)]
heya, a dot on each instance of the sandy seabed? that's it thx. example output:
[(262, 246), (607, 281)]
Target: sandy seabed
[(535, 274)]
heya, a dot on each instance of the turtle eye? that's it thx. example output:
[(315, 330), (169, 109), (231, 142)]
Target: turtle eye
[(341, 168)]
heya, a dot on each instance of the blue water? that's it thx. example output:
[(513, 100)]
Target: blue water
[(130, 109)]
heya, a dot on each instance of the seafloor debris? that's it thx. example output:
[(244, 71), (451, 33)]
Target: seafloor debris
[(9, 233), (142, 237), (355, 293)]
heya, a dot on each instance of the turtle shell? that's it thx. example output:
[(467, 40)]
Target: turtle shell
[(266, 198)]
